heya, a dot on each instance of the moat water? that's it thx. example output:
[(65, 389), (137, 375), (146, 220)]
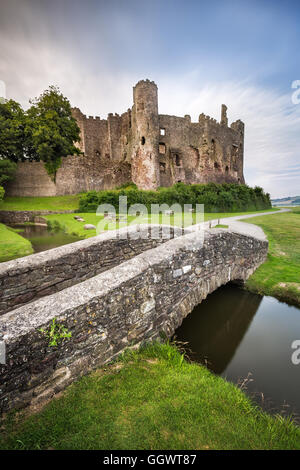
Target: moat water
[(43, 239), (241, 335)]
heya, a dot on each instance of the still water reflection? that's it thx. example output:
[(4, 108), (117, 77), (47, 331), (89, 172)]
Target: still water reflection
[(237, 333), (43, 239)]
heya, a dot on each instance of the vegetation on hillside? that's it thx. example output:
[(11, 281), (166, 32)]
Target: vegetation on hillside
[(279, 276), (215, 197), (151, 399)]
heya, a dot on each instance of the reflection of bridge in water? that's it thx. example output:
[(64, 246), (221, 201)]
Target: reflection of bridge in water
[(217, 326)]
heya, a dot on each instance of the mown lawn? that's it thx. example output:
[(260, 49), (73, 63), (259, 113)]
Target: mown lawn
[(279, 276), (12, 245), (72, 226), (151, 399), (51, 203)]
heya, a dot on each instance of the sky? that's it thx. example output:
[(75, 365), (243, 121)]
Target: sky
[(201, 54)]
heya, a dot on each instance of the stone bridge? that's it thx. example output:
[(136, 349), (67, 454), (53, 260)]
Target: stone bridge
[(111, 292)]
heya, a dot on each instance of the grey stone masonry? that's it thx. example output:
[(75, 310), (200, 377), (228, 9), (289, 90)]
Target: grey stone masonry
[(26, 279), (19, 217), (128, 304)]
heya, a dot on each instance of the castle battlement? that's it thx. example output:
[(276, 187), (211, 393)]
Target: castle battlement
[(163, 149)]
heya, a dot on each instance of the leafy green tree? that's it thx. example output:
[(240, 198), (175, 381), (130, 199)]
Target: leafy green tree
[(51, 129), (2, 192), (7, 171), (12, 125)]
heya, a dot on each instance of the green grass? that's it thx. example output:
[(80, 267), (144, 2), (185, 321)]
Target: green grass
[(279, 276), (151, 399), (12, 245), (72, 226), (220, 226), (51, 203)]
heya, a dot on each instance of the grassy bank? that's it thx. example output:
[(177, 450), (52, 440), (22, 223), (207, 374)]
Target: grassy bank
[(12, 245), (279, 276), (151, 399), (72, 226), (51, 203)]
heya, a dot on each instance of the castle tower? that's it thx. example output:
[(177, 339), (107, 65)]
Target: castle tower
[(224, 119), (145, 135), (80, 118)]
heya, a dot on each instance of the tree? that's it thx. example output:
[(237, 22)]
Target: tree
[(7, 171), (51, 130), (12, 124)]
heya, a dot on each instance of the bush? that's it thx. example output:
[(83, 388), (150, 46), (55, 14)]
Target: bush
[(7, 171), (215, 197), (2, 192), (130, 184)]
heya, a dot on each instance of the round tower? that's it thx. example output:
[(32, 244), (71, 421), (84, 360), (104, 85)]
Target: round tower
[(145, 133)]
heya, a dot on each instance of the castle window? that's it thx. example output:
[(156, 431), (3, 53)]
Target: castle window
[(143, 140), (162, 167), (213, 146), (162, 148), (177, 160), (227, 168), (162, 131)]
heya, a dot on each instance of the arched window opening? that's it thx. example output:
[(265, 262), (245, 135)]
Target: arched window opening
[(143, 140), (227, 168)]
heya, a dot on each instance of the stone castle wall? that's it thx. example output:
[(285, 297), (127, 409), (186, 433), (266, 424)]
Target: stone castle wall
[(121, 307), (142, 146)]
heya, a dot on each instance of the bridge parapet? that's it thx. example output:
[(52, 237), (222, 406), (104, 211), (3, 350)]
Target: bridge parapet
[(26, 279)]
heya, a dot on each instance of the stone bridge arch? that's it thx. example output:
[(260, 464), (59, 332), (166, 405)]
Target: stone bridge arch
[(123, 306)]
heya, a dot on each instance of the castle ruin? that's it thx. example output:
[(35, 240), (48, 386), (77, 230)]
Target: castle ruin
[(142, 146)]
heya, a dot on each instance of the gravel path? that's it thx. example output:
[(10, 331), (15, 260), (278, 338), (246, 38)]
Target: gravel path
[(247, 229)]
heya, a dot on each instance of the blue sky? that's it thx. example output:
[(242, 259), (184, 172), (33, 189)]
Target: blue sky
[(201, 54)]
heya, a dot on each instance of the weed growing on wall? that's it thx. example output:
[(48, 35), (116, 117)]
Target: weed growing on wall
[(56, 333)]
